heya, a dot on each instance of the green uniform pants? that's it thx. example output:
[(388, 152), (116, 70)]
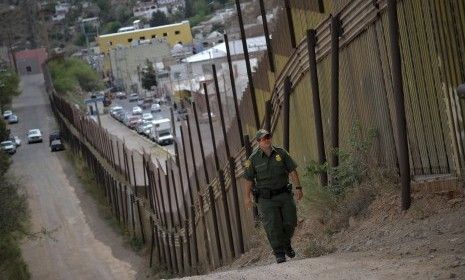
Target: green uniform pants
[(279, 217)]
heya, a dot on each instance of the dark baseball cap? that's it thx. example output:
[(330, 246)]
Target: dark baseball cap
[(261, 133)]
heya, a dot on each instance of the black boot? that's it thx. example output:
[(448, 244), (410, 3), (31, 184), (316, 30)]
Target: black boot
[(290, 252), (280, 257)]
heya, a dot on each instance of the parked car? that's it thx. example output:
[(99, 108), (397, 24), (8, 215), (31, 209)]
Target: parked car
[(12, 119), (34, 136), (7, 114), (54, 136), (115, 109), (147, 117), (133, 97), (120, 115), (155, 108), (143, 126), (136, 110), (56, 145), (16, 140), (8, 147), (121, 95), (133, 121)]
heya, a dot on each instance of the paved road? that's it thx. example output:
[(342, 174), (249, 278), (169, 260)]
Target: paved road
[(84, 246)]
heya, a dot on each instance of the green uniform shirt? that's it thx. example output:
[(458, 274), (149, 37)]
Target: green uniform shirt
[(269, 172)]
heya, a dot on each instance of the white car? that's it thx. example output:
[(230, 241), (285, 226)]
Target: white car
[(136, 110), (147, 117), (155, 108), (34, 136), (8, 147), (115, 109), (7, 114), (16, 140)]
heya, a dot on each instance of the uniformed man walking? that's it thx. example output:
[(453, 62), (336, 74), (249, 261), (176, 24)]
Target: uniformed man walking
[(270, 168)]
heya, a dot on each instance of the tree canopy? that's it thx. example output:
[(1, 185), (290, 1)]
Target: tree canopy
[(71, 73), (149, 77), (9, 86), (158, 18)]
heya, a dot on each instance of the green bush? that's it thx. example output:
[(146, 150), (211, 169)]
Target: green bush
[(351, 185), (71, 73), (14, 216)]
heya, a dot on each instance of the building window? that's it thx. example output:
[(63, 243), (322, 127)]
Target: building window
[(129, 40), (111, 43), (177, 32), (165, 34), (28, 68), (142, 38), (154, 36)]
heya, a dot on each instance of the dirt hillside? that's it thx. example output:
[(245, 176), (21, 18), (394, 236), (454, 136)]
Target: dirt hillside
[(426, 242)]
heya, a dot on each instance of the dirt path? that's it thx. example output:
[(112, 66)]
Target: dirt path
[(426, 242), (83, 244)]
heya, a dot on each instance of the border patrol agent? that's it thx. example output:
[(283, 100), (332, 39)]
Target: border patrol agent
[(270, 168)]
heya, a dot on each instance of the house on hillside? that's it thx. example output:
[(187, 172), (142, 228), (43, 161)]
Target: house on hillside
[(168, 7)]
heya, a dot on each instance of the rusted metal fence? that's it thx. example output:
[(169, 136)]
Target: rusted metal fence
[(188, 207)]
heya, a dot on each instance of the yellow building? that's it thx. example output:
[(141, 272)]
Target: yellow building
[(173, 33)]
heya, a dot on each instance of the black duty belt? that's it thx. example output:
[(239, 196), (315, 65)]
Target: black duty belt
[(269, 193)]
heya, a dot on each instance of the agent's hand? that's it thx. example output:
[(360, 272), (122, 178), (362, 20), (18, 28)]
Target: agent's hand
[(298, 194), (248, 203)]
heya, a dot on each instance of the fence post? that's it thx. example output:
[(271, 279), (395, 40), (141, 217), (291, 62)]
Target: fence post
[(311, 44), (401, 132), (267, 35), (248, 152), (247, 65), (268, 113), (204, 163), (290, 23), (233, 88), (335, 33), (217, 165), (221, 172), (286, 105), (232, 174), (197, 184), (191, 200)]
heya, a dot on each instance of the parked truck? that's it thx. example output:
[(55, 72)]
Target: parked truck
[(161, 132)]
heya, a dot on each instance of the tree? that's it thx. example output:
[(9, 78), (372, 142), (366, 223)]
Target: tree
[(158, 18), (149, 77), (189, 9), (72, 73), (9, 86), (111, 27), (4, 131)]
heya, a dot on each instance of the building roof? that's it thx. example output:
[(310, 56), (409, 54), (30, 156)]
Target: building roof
[(253, 45), (145, 29), (40, 54)]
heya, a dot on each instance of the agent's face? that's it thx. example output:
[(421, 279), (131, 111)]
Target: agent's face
[(265, 142)]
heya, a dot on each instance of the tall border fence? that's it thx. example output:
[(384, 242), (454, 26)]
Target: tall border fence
[(328, 67)]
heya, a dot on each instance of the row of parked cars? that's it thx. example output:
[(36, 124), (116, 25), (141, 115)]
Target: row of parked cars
[(157, 130), (33, 136)]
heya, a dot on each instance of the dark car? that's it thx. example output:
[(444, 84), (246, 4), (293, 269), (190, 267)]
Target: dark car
[(54, 136), (56, 145)]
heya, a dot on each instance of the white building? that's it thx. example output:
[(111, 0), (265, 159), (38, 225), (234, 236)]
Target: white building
[(146, 9), (127, 61)]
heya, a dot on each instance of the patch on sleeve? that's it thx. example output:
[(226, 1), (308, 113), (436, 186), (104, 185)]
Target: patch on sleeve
[(247, 163), (278, 158)]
